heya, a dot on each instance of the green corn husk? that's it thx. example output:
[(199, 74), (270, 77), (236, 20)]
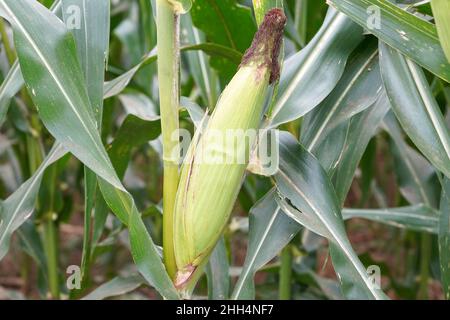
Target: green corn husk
[(207, 191)]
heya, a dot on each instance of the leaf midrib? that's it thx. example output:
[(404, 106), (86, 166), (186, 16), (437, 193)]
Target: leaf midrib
[(331, 230), (340, 99), (311, 54), (238, 290), (55, 78)]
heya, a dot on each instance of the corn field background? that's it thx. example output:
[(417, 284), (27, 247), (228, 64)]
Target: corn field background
[(94, 205)]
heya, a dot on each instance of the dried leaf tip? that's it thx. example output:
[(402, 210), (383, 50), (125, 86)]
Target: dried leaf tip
[(266, 44)]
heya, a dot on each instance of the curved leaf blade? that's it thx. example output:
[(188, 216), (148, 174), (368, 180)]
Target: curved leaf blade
[(117, 85), (441, 12), (414, 37), (116, 287), (270, 230), (418, 217), (15, 210), (218, 273), (10, 86), (311, 74), (92, 39), (357, 90), (305, 184), (361, 129), (444, 237), (65, 107), (52, 57), (414, 173), (14, 80), (415, 107), (217, 19)]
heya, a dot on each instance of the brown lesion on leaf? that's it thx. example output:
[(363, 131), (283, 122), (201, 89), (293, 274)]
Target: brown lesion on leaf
[(266, 44)]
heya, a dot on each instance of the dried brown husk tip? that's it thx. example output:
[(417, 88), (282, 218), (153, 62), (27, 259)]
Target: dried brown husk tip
[(266, 44)]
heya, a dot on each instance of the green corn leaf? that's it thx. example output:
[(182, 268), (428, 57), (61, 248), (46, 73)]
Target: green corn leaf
[(444, 237), (418, 217), (217, 51), (10, 86), (311, 74), (116, 287), (74, 123), (358, 132), (361, 129), (92, 39), (414, 173), (141, 129), (196, 113), (415, 107), (357, 90), (270, 230), (305, 184), (198, 62), (441, 12), (15, 210), (32, 244), (147, 25), (14, 80), (261, 7), (117, 85), (330, 147), (133, 133), (62, 87), (307, 16), (412, 36), (217, 272), (217, 19), (341, 151)]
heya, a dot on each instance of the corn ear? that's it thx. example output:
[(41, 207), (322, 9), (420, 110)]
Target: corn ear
[(215, 165)]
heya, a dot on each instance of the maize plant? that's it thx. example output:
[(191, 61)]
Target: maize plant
[(224, 149)]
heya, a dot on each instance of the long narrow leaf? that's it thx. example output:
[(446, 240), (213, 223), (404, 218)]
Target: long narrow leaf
[(415, 107), (361, 129), (357, 90), (414, 173), (15, 210), (218, 273), (92, 39), (419, 217), (57, 91), (414, 37), (73, 124), (441, 12), (305, 184), (444, 237), (270, 230), (116, 287), (310, 75), (115, 86), (14, 80)]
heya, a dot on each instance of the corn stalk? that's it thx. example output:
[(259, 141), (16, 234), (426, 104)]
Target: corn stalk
[(168, 29)]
